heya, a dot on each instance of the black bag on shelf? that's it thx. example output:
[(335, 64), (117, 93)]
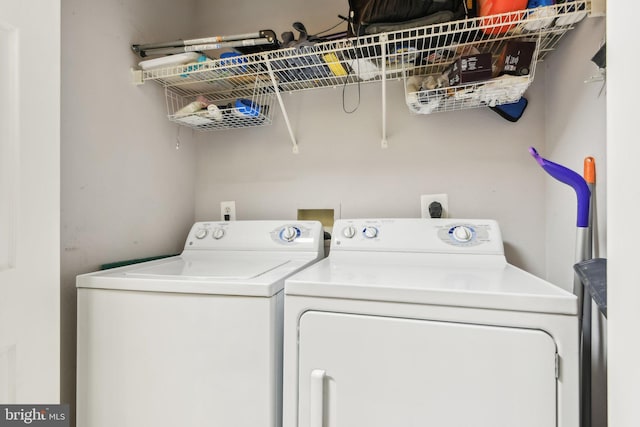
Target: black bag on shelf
[(412, 23), (374, 16)]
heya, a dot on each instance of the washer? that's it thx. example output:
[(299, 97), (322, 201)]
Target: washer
[(422, 322), (195, 339)]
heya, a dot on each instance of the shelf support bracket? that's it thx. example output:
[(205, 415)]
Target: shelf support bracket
[(284, 111), (383, 47), (136, 77)]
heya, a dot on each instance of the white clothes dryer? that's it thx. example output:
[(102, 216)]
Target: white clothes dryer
[(192, 340), (421, 322)]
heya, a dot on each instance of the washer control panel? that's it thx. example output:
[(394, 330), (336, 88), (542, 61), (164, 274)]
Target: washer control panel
[(290, 233), (418, 235), (464, 234), (256, 235), (294, 233)]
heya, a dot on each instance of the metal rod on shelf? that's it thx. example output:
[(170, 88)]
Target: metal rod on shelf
[(143, 49), (284, 111), (201, 47), (383, 59)]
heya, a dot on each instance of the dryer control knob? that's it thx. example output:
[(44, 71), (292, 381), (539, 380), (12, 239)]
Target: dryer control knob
[(218, 233), (349, 232), (289, 234), (462, 234), (201, 234), (370, 232)]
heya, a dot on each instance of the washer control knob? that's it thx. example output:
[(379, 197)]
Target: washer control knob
[(289, 234), (201, 233), (370, 232), (349, 232), (218, 233), (462, 233)]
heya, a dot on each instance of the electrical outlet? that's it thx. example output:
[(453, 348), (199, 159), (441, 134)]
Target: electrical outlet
[(427, 199), (228, 211)]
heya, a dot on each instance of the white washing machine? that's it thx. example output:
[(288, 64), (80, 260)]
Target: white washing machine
[(415, 322), (192, 340)]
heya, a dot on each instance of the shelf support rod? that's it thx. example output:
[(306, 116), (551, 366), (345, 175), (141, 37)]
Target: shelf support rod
[(383, 41), (284, 111)]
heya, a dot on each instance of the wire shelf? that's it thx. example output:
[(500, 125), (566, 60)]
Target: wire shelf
[(488, 94), (541, 27), (239, 107), (413, 52)]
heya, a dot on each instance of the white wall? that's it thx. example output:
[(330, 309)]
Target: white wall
[(623, 203), (226, 17), (126, 191), (476, 157)]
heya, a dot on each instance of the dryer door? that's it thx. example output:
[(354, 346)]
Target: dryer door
[(357, 370)]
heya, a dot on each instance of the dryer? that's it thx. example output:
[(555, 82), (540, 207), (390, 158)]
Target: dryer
[(195, 339), (422, 322)]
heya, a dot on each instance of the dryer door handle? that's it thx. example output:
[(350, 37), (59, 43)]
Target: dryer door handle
[(316, 396)]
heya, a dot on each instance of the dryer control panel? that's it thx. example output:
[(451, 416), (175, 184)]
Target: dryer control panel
[(418, 235)]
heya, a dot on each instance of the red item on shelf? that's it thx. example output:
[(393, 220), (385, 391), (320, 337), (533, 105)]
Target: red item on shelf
[(489, 8)]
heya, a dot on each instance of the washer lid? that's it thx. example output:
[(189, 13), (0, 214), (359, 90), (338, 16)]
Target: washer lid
[(220, 267), (220, 273), (416, 280)]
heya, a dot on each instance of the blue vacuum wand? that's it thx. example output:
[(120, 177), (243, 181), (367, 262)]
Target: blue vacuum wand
[(583, 252), (572, 179)]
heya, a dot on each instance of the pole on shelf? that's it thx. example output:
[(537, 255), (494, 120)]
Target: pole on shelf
[(263, 37)]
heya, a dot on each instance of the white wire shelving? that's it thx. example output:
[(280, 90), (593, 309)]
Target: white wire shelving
[(209, 106), (542, 26), (411, 55)]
